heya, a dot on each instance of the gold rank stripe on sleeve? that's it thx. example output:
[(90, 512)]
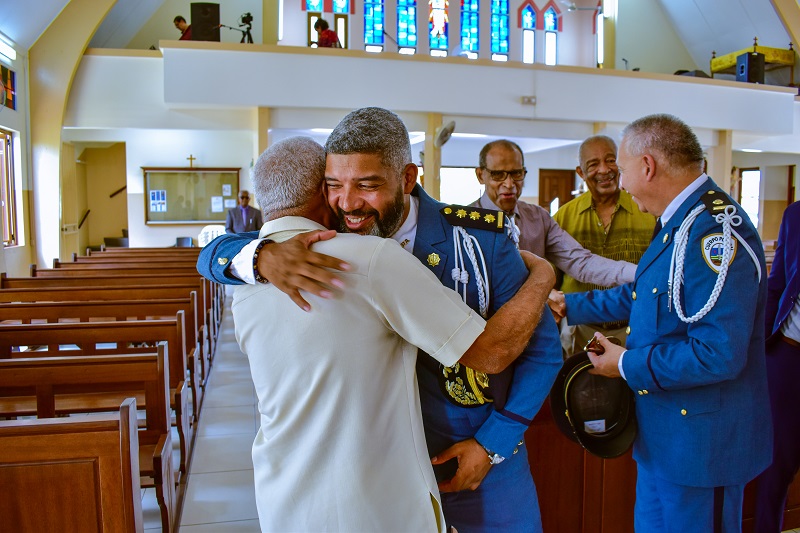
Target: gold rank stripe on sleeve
[(474, 217)]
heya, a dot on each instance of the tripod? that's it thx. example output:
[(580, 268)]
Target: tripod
[(246, 36)]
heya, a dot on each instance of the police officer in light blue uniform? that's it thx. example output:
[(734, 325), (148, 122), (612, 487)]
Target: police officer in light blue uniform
[(463, 411), (695, 349)]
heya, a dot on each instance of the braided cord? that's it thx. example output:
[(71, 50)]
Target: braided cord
[(460, 274), (727, 219)]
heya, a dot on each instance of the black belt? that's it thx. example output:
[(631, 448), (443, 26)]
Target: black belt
[(788, 340)]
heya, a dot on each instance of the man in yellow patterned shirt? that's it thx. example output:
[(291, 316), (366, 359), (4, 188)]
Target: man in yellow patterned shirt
[(606, 221)]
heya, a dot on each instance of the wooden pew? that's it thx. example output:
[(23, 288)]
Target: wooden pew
[(56, 386), (114, 269), (211, 307), (71, 475), (65, 311), (58, 338)]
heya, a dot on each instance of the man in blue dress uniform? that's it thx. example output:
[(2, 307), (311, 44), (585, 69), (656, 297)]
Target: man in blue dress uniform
[(695, 349), (476, 419)]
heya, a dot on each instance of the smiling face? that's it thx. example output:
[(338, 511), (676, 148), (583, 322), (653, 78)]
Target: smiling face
[(599, 169), (504, 193), (368, 197)]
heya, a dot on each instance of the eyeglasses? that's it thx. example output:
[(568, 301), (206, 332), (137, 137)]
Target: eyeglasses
[(244, 198), (501, 175)]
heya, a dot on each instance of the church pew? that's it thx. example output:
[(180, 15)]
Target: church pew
[(115, 269), (71, 475), (54, 340), (206, 292), (49, 387), (119, 258), (118, 310)]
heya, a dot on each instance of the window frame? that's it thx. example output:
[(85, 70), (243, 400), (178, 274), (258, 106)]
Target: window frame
[(8, 191)]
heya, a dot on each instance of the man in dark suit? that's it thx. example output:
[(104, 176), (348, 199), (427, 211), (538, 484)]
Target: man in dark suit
[(783, 371), (243, 217)]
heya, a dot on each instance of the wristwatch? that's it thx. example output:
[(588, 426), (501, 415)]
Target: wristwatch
[(494, 458)]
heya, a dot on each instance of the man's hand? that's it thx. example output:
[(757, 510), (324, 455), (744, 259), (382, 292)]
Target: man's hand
[(473, 465), (292, 267), (606, 364), (557, 304)]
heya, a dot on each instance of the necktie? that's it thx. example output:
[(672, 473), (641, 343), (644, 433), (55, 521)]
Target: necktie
[(656, 229), (244, 217)]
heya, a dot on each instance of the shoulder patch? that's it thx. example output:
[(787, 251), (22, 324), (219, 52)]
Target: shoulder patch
[(474, 217), (716, 201), (712, 249)]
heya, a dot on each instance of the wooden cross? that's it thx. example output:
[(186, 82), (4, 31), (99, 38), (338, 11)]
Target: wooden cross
[(191, 160)]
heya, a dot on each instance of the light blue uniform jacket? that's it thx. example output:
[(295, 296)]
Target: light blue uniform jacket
[(700, 389)]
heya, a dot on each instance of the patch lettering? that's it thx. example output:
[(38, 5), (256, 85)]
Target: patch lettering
[(713, 249)]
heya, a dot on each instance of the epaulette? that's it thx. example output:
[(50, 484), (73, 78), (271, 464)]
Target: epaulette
[(716, 201), (474, 217)]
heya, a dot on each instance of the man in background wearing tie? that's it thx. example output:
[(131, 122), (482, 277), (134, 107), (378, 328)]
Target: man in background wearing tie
[(243, 218)]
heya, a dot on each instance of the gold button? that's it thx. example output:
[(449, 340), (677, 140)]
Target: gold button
[(222, 261), (515, 450), (633, 295), (666, 238), (655, 290), (640, 393), (683, 412), (645, 391), (628, 330)]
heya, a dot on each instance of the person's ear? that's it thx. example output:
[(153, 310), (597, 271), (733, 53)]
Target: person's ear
[(579, 170), (409, 177), (479, 175), (649, 166)]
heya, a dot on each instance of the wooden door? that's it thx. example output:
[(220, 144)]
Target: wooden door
[(555, 183)]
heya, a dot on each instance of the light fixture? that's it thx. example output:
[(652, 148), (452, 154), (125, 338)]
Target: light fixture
[(373, 48), (752, 150)]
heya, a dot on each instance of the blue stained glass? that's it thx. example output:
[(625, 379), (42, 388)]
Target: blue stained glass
[(528, 18), (373, 22), (438, 25), (499, 26), (407, 23), (341, 6), (469, 25), (313, 5), (550, 20)]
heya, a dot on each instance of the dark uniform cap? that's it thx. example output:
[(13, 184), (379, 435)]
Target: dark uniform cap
[(595, 411)]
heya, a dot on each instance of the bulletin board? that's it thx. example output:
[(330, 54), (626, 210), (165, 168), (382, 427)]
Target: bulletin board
[(175, 195)]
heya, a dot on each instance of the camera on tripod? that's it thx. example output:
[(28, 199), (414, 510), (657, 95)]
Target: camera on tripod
[(246, 19)]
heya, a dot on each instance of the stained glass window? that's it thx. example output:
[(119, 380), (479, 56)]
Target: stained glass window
[(438, 24), (9, 87), (528, 18), (373, 22), (499, 26), (314, 5), (407, 23), (469, 25), (550, 20), (341, 6)]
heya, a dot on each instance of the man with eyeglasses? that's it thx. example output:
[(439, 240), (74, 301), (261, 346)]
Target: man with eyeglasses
[(243, 217), (502, 170)]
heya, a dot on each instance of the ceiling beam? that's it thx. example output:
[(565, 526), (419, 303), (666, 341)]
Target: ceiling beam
[(789, 13)]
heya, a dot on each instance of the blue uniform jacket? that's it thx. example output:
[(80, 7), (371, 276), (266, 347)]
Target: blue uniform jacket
[(784, 280), (700, 389)]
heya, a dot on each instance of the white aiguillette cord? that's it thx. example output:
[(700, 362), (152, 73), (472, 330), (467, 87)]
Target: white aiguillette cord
[(460, 273), (728, 219)]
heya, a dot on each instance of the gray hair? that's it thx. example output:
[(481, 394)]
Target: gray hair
[(591, 140), (502, 143), (288, 174), (667, 136), (372, 130)]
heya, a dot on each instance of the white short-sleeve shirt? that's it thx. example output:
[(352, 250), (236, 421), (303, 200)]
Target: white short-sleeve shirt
[(341, 445)]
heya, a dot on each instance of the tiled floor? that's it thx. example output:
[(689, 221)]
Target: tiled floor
[(220, 497)]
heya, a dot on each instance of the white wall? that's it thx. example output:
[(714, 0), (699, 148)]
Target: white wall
[(647, 39)]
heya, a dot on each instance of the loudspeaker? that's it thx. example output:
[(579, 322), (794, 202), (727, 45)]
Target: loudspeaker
[(205, 21), (750, 67)]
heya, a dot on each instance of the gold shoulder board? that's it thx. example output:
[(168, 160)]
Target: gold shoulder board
[(474, 217)]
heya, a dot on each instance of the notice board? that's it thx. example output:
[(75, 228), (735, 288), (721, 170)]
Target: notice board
[(176, 195)]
